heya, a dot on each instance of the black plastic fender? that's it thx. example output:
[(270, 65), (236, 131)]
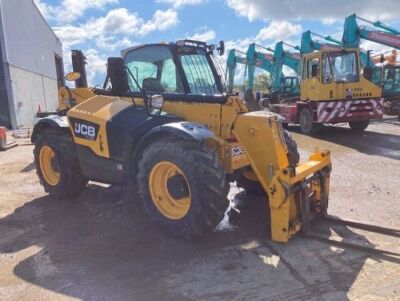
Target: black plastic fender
[(181, 129), (54, 121)]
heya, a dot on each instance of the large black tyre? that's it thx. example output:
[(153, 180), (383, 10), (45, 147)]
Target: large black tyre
[(307, 126), (359, 126), (199, 184), (293, 152), (70, 181), (254, 187)]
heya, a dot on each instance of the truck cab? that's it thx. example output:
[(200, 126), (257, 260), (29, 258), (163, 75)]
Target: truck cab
[(335, 75)]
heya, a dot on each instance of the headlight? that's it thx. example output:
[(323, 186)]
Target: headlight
[(156, 102)]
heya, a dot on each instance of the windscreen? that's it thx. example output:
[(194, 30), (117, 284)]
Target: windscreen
[(344, 67), (198, 72)]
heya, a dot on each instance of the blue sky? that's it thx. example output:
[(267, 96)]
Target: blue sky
[(103, 27)]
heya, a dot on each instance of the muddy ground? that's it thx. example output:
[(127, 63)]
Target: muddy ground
[(102, 247)]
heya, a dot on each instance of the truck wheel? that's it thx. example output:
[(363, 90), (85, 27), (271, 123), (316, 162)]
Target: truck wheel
[(57, 167), (359, 126), (183, 187), (254, 187), (307, 126)]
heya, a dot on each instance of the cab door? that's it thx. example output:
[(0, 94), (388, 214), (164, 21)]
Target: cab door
[(311, 77)]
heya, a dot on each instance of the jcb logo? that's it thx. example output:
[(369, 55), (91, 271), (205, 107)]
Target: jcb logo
[(85, 130)]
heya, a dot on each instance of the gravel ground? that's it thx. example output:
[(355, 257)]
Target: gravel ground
[(102, 247)]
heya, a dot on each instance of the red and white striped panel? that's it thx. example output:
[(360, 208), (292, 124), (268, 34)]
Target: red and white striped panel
[(339, 111)]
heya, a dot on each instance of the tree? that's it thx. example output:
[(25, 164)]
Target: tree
[(262, 82)]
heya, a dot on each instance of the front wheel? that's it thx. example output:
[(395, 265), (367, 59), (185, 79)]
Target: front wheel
[(307, 126), (359, 126), (183, 187)]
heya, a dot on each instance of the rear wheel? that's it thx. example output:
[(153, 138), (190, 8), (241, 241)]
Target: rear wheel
[(57, 165), (183, 187), (307, 126), (359, 126)]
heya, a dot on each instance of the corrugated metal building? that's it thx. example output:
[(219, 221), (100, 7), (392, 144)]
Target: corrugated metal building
[(31, 64)]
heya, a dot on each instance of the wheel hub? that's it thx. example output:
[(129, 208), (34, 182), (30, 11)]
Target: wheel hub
[(177, 187), (169, 190), (49, 165)]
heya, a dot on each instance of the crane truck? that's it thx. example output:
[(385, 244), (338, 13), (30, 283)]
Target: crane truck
[(333, 89), (387, 75)]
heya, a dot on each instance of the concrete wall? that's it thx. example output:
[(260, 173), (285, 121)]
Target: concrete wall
[(31, 90), (31, 47)]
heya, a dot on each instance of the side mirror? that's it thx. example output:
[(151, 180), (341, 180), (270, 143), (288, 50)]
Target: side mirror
[(221, 48)]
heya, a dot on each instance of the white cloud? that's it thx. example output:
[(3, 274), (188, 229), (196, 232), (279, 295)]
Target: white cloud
[(119, 20), (278, 30), (204, 36), (314, 9), (116, 22), (96, 64), (71, 10), (112, 44), (162, 20), (180, 3)]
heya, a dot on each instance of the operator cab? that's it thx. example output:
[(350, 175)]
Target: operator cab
[(184, 68), (329, 74)]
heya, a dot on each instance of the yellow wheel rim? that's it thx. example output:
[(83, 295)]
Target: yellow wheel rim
[(49, 165), (160, 177)]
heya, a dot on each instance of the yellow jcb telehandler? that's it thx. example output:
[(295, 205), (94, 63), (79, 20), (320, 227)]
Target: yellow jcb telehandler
[(164, 122)]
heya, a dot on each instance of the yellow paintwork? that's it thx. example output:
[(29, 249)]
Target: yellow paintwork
[(97, 109), (162, 200), (78, 95), (284, 206), (46, 157), (313, 89), (250, 141)]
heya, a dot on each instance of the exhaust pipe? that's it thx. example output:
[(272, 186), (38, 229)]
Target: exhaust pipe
[(78, 65)]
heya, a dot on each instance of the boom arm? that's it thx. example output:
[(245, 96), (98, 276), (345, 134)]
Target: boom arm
[(232, 61), (287, 58), (308, 45), (353, 33), (258, 59)]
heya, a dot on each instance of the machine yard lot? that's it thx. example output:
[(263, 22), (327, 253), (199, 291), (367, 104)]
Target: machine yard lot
[(101, 246)]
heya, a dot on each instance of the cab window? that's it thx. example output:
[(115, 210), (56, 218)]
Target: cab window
[(326, 69), (198, 73), (154, 69), (313, 68)]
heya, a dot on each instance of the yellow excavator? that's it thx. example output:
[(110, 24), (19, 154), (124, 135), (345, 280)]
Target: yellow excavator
[(164, 123)]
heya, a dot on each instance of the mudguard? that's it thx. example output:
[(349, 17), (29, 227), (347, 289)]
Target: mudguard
[(181, 129), (185, 130), (53, 121)]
